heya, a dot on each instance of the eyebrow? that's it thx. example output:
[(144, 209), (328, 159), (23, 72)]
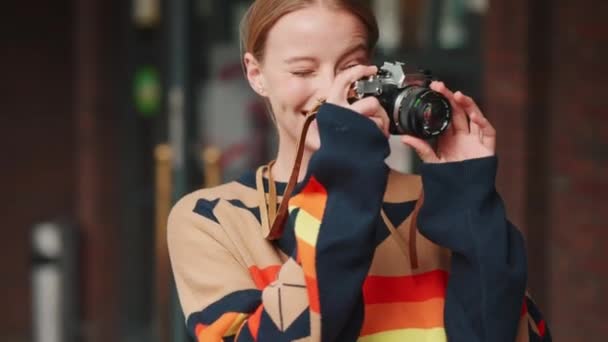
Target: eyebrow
[(293, 60), (355, 48), (350, 51)]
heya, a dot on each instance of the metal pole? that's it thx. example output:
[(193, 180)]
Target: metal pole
[(164, 290), (178, 20)]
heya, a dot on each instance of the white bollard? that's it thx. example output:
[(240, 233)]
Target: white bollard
[(54, 317), (46, 283)]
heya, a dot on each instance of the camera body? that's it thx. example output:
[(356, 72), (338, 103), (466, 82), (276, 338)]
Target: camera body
[(404, 93)]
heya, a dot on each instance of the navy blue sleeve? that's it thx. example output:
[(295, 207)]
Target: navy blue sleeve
[(463, 212), (350, 166)]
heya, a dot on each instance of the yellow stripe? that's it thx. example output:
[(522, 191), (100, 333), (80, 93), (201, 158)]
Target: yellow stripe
[(307, 228), (234, 328), (407, 335)]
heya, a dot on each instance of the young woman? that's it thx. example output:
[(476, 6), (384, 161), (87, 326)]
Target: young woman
[(361, 255)]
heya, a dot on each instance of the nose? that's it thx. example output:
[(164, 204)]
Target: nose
[(324, 83)]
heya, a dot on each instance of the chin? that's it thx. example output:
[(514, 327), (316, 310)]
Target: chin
[(312, 146), (313, 141)]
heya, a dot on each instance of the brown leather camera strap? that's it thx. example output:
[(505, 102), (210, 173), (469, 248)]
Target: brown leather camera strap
[(268, 202), (277, 227), (414, 230), (273, 219)]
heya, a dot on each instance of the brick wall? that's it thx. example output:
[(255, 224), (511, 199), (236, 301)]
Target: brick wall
[(36, 138), (579, 171), (545, 91), (98, 140), (60, 125)]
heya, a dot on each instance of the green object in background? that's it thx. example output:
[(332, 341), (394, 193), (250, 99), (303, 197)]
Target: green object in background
[(147, 90)]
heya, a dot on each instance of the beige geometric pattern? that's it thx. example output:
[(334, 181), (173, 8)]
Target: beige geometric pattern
[(286, 298)]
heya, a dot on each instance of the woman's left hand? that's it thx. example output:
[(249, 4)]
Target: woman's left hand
[(469, 136)]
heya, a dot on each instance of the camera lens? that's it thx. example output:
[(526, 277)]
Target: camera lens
[(421, 112)]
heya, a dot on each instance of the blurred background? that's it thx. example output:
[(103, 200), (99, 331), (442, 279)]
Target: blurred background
[(111, 110)]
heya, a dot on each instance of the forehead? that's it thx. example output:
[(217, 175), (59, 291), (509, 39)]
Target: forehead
[(314, 31)]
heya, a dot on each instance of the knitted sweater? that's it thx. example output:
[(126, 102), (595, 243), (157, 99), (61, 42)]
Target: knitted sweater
[(340, 272)]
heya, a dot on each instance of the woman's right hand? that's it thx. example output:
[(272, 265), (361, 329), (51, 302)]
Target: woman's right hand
[(368, 106)]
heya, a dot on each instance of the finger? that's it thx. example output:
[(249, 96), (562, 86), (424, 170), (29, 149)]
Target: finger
[(487, 134), (367, 106), (459, 118), (338, 92), (479, 123), (370, 107), (469, 111), (380, 123), (422, 148)]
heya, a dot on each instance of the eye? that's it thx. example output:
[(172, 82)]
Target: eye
[(350, 65), (302, 73)]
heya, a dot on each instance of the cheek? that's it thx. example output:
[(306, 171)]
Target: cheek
[(292, 93), (289, 96)]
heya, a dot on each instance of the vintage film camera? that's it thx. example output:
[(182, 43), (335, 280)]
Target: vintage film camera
[(403, 91)]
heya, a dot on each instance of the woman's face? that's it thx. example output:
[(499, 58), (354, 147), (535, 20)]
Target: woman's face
[(304, 52)]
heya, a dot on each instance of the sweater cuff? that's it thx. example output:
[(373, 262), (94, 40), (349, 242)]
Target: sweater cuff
[(350, 132), (352, 152), (464, 181)]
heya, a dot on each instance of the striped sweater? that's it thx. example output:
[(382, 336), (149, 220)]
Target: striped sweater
[(340, 271)]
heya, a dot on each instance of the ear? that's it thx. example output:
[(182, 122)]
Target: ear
[(254, 74)]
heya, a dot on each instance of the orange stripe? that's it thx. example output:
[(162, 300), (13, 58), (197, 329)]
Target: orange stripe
[(262, 277), (413, 288), (313, 294), (216, 330), (254, 322), (312, 198), (393, 316), (306, 256)]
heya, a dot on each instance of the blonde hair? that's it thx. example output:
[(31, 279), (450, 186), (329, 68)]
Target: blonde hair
[(263, 14)]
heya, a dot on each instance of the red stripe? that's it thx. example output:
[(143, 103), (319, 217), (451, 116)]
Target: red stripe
[(414, 288), (313, 294), (198, 328), (541, 328), (313, 186), (262, 277), (524, 308)]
